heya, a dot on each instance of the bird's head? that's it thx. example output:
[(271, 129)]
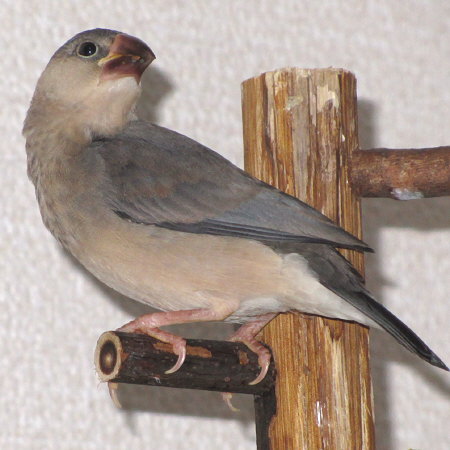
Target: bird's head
[(92, 82)]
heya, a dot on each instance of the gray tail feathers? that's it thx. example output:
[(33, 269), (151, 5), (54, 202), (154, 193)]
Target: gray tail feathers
[(338, 275), (396, 328)]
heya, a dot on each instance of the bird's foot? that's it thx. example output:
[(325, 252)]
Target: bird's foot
[(148, 324), (246, 334)]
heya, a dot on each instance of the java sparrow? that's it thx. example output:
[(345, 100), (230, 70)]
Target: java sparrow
[(170, 223)]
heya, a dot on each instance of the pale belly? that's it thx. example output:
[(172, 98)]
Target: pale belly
[(177, 271)]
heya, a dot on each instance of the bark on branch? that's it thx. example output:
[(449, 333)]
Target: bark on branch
[(210, 365), (401, 174)]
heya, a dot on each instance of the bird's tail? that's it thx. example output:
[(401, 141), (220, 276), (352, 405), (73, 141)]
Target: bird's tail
[(396, 328), (338, 275)]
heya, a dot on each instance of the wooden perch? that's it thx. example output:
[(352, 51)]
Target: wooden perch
[(299, 134), (401, 174), (210, 365)]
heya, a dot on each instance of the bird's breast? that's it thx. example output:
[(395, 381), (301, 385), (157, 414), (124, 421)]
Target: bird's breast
[(66, 195), (173, 270)]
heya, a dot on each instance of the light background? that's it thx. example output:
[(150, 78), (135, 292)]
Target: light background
[(52, 312)]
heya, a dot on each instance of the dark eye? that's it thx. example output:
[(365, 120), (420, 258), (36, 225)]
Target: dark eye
[(87, 49)]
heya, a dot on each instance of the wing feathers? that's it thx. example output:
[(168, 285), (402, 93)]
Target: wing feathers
[(158, 177)]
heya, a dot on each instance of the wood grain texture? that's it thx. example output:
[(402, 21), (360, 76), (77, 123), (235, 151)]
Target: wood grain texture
[(402, 174), (300, 130)]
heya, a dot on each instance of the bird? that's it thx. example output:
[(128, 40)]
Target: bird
[(169, 222)]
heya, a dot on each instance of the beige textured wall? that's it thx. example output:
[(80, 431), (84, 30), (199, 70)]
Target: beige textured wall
[(52, 312)]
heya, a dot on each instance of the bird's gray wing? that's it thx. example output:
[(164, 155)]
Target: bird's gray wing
[(338, 275), (159, 177)]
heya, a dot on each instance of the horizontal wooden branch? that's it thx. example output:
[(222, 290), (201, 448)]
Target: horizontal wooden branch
[(402, 174), (210, 365)]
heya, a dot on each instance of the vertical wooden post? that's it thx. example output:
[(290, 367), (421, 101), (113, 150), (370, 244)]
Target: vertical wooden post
[(300, 127)]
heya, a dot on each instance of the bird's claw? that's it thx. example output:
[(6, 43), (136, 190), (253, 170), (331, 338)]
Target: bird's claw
[(146, 325), (112, 389), (226, 396), (264, 358), (179, 348), (246, 334)]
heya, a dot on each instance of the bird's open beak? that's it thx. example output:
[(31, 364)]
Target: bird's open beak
[(127, 57)]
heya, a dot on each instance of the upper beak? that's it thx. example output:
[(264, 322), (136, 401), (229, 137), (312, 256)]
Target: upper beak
[(128, 56)]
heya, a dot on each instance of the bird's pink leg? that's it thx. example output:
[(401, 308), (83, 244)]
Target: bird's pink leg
[(150, 323), (246, 334)]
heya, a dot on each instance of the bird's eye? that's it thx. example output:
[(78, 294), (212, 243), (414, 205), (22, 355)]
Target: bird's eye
[(87, 49)]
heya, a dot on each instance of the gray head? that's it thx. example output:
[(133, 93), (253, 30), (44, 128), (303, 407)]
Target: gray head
[(92, 81)]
